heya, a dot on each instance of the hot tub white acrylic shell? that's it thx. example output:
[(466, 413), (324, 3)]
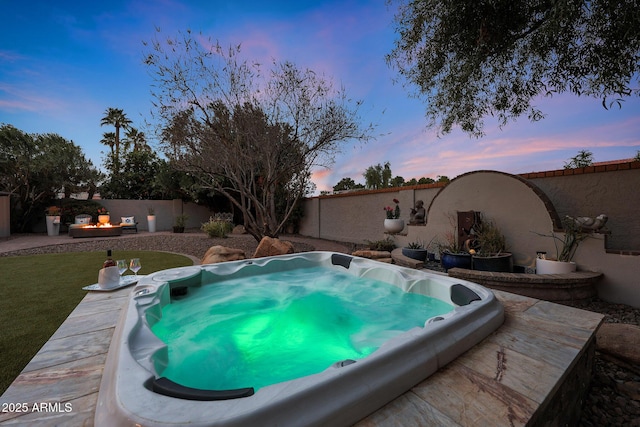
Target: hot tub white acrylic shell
[(336, 396)]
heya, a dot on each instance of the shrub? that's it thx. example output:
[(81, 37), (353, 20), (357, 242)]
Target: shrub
[(382, 245), (73, 207), (217, 228), (415, 245)]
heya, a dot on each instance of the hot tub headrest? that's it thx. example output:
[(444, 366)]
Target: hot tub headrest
[(343, 260), (461, 295)]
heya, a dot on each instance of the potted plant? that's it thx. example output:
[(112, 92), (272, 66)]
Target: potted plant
[(181, 221), (450, 254), (53, 220), (103, 215), (489, 248), (415, 250), (151, 219), (393, 224), (565, 246)]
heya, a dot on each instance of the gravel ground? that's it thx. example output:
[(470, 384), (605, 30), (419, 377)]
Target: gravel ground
[(192, 244), (614, 394)]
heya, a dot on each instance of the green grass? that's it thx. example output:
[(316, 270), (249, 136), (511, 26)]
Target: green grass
[(37, 293)]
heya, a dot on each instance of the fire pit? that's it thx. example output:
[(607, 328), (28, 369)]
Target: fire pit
[(91, 230)]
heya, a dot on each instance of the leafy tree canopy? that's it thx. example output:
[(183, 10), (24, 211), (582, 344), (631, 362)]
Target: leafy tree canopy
[(473, 58), (347, 184), (35, 168), (378, 176), (135, 178)]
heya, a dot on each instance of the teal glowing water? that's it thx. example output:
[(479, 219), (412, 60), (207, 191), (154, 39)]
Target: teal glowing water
[(265, 329)]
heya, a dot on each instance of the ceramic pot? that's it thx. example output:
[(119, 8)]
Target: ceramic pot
[(500, 263), (393, 225), (151, 221), (103, 219), (449, 260), (548, 266), (417, 254), (53, 225)]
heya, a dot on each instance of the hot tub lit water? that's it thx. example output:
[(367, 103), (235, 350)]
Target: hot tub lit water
[(271, 341), (281, 326)]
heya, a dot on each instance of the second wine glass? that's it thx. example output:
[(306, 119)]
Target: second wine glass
[(134, 265), (122, 266)]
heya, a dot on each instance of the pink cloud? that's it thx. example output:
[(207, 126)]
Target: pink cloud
[(27, 100)]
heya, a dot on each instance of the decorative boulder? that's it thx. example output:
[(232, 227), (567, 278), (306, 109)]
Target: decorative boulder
[(367, 253), (239, 229), (620, 340), (270, 246), (382, 256), (217, 254)]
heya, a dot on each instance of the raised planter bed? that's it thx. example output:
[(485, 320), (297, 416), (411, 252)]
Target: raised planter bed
[(577, 286)]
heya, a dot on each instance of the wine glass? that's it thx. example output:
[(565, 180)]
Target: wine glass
[(122, 266), (135, 265)]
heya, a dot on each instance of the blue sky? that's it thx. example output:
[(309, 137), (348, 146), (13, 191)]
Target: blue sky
[(63, 63)]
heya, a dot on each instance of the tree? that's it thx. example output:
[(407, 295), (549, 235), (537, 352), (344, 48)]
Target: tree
[(136, 178), (377, 176), (244, 134), (397, 181), (109, 139), (425, 180), (136, 140), (117, 118), (346, 184), (36, 168), (583, 159), (471, 58)]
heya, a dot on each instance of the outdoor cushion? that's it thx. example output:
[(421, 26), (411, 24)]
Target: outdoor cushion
[(127, 220), (83, 219)]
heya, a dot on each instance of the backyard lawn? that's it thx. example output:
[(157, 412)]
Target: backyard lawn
[(37, 293)]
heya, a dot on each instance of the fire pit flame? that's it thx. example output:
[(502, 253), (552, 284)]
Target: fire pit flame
[(104, 225)]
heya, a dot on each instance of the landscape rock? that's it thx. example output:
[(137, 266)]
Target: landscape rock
[(216, 254), (366, 253), (239, 229), (270, 246), (619, 340)]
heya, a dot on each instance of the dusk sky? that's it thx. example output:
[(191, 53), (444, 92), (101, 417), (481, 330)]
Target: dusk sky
[(63, 63)]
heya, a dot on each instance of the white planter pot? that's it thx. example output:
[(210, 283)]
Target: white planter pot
[(393, 225), (151, 220), (53, 225), (547, 266), (104, 219)]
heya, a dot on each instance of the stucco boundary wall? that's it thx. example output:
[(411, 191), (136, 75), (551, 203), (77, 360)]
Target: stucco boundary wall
[(522, 205), (166, 212)]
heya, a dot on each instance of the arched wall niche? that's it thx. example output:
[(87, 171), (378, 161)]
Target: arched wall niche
[(518, 207)]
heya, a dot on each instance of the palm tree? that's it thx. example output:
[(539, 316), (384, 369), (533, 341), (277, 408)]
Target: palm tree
[(136, 139), (109, 139), (117, 118)]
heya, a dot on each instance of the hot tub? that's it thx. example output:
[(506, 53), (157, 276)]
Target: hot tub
[(134, 391)]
